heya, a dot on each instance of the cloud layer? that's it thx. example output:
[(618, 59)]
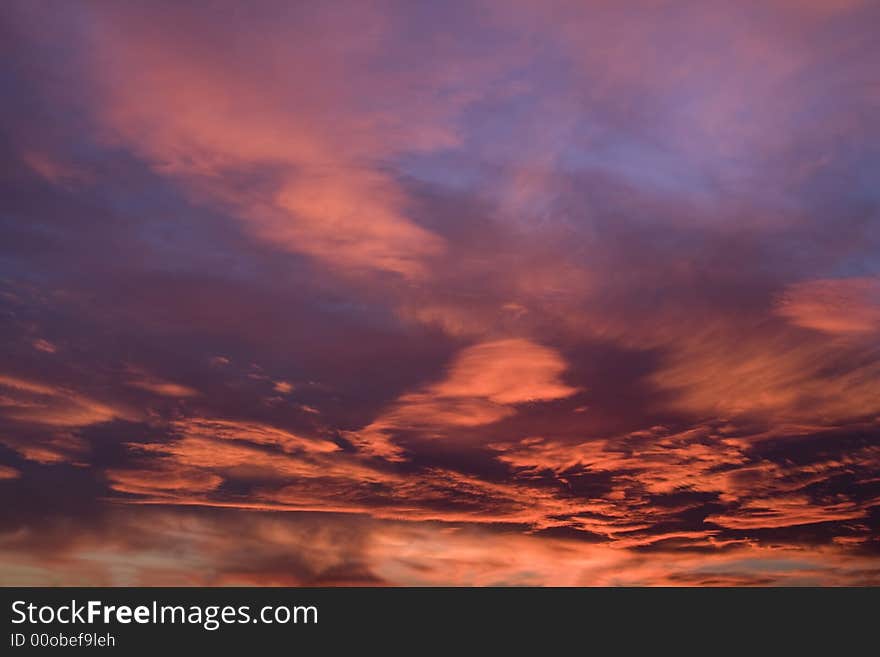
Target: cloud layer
[(409, 293)]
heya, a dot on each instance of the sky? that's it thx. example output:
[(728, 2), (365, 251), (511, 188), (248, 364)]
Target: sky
[(461, 293)]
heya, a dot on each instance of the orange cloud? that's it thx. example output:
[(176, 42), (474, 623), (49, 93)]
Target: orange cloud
[(44, 345), (512, 371), (770, 372), (483, 385), (130, 549), (845, 306), (351, 218), (47, 447), (782, 511), (252, 432), (646, 464), (7, 472), (34, 402), (202, 115), (322, 482), (161, 387), (163, 481)]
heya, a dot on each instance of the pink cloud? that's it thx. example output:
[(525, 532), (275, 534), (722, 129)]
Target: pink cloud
[(844, 306), (483, 385)]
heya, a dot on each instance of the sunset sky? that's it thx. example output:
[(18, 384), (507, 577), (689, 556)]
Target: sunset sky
[(496, 292)]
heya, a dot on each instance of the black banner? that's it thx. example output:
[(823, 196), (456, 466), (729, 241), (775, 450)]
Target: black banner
[(130, 621)]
